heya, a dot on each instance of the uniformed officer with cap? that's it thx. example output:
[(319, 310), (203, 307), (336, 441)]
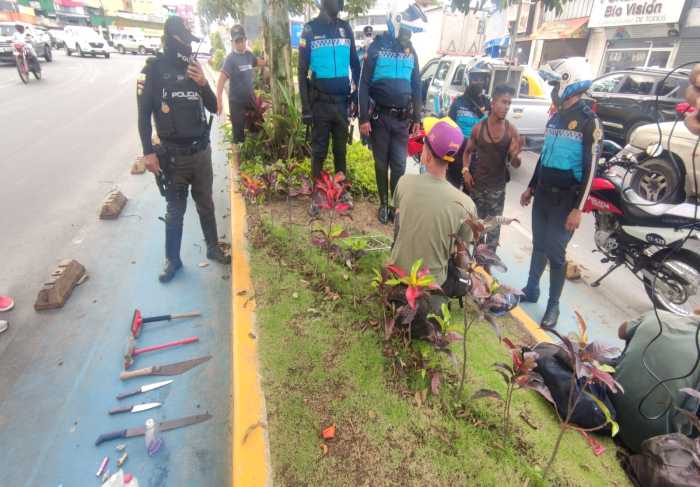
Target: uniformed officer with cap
[(173, 90), (327, 50), (391, 83)]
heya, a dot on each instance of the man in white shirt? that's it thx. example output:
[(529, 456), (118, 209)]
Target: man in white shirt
[(23, 37)]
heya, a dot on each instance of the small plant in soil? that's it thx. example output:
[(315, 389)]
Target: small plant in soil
[(291, 183), (488, 298), (329, 193), (520, 374)]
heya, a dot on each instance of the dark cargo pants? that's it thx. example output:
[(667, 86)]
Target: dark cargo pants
[(389, 138), (330, 119), (549, 241), (187, 171)]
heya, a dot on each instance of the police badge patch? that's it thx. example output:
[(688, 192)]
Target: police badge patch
[(573, 124), (597, 134)]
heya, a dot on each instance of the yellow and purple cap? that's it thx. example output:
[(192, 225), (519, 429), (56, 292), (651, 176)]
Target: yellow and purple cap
[(443, 136)]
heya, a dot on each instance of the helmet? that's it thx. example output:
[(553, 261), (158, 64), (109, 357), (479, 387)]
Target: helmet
[(404, 15), (570, 78)]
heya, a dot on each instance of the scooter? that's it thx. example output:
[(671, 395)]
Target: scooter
[(648, 238), (26, 62)]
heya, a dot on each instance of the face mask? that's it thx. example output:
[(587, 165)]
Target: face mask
[(332, 7), (177, 51)]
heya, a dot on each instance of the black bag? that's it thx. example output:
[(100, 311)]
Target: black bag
[(457, 283), (553, 365), (671, 460)]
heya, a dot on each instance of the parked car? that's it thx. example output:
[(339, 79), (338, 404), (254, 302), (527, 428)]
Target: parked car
[(135, 43), (84, 40), (626, 100), (57, 36), (38, 38), (670, 172), (443, 79)]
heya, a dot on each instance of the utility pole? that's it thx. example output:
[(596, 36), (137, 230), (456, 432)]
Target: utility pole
[(514, 33)]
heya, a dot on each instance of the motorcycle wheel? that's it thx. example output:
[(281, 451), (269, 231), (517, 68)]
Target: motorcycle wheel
[(679, 294), (659, 181), (23, 72), (48, 55), (37, 73)]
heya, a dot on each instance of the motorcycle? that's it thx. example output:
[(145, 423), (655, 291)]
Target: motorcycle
[(648, 238), (26, 62)]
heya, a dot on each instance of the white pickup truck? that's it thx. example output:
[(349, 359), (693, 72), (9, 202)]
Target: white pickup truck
[(443, 79)]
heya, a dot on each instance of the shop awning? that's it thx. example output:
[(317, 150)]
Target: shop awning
[(562, 29)]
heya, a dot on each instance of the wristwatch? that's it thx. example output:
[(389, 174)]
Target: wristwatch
[(465, 169)]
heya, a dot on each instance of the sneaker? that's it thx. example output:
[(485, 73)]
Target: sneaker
[(4, 325), (6, 303), (215, 253)]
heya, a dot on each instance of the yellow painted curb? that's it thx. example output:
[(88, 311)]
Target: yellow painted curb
[(250, 463)]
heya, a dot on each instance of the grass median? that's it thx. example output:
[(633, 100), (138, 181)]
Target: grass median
[(324, 361)]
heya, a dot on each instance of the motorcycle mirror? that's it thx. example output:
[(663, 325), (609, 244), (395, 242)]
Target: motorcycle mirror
[(654, 150)]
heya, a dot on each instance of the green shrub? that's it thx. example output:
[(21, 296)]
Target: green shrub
[(216, 41), (217, 60)]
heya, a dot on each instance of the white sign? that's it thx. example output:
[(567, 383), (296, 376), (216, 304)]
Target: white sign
[(614, 13)]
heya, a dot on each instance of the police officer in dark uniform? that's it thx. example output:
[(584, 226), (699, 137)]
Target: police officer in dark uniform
[(173, 89), (561, 184), (327, 49), (391, 83)]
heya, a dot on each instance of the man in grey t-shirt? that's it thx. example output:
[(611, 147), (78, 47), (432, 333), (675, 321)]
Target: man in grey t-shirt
[(238, 69)]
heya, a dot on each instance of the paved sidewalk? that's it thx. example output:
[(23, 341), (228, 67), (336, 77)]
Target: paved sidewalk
[(58, 386)]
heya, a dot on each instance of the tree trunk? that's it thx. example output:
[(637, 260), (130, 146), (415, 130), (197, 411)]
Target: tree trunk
[(280, 52)]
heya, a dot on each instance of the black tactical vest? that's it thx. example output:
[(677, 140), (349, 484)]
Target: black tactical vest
[(179, 110)]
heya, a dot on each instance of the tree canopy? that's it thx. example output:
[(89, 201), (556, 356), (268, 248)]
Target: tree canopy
[(465, 5), (220, 9)]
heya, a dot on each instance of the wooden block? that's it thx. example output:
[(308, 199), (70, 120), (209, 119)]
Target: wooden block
[(58, 289), (573, 271), (113, 205), (139, 166)]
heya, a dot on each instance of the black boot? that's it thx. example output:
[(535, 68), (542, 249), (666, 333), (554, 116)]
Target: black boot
[(212, 238), (215, 253), (531, 292), (551, 316), (173, 239), (392, 214), (169, 270), (383, 214)]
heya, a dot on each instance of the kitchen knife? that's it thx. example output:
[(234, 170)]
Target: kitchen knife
[(137, 408), (170, 369), (146, 388), (164, 426)]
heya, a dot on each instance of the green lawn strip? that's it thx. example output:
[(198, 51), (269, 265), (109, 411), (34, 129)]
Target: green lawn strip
[(322, 363)]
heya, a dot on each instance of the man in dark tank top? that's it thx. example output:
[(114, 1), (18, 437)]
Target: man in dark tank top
[(496, 145)]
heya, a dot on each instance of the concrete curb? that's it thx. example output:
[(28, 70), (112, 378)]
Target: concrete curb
[(250, 449)]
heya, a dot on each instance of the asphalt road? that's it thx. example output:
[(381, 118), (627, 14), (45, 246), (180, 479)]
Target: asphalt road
[(67, 140)]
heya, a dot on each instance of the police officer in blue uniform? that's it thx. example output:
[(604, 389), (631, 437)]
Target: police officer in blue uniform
[(327, 49), (561, 184), (390, 100), (173, 90)]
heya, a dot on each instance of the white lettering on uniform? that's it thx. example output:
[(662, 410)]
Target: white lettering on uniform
[(190, 95)]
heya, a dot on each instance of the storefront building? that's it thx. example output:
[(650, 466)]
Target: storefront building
[(630, 34)]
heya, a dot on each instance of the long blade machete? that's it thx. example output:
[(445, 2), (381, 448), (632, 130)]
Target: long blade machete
[(164, 426), (170, 369)]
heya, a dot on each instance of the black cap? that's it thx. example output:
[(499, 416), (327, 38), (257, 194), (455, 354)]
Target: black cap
[(237, 32), (175, 27)]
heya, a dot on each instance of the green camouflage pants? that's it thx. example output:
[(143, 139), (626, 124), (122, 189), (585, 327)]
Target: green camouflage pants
[(490, 202)]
